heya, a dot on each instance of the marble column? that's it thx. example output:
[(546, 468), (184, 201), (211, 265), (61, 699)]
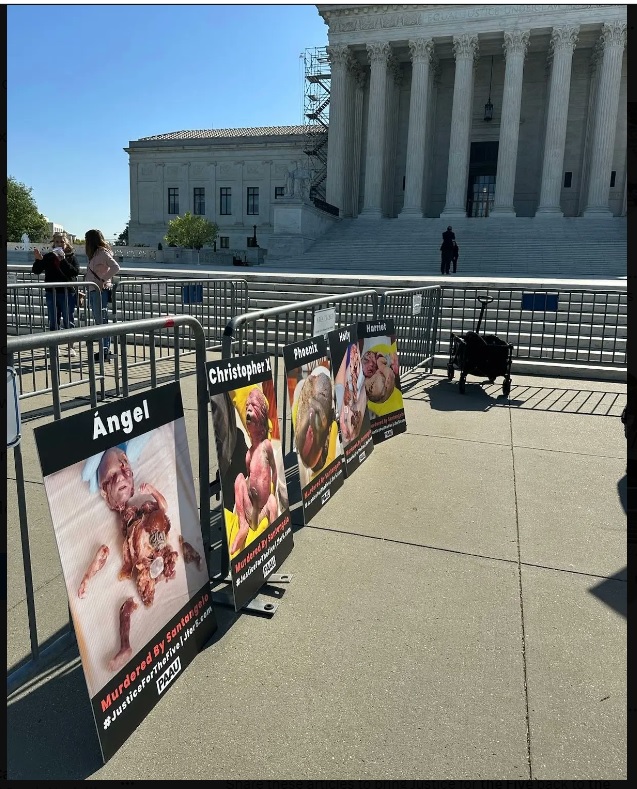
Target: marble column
[(379, 53), (239, 207), (265, 202), (421, 51), (391, 134), (211, 202), (465, 50), (359, 79), (593, 68), (339, 57), (563, 41), (515, 45), (610, 73)]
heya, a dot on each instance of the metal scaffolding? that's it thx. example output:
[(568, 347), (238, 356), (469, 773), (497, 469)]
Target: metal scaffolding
[(316, 106)]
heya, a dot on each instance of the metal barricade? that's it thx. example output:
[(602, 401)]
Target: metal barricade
[(415, 312), (213, 302), (269, 331), (31, 307), (43, 648), (585, 327)]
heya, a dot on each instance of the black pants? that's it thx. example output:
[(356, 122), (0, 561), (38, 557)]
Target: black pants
[(445, 263)]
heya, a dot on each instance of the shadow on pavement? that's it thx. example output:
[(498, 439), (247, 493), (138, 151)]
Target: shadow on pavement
[(622, 491), (445, 396), (613, 592)]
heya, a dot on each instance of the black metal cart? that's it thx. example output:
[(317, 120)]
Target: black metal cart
[(480, 354)]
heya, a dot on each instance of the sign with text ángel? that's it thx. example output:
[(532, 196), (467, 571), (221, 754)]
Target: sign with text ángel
[(124, 510), (351, 398), (316, 439), (256, 514), (379, 359)]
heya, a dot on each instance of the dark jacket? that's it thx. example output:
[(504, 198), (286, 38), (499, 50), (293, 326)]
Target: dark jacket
[(448, 237), (56, 270)]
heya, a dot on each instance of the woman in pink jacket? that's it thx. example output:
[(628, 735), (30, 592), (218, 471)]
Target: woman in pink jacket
[(100, 270)]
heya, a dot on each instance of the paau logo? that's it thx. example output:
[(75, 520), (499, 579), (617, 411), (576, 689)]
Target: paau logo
[(167, 677), (269, 566), (361, 457), (389, 433), (325, 496)]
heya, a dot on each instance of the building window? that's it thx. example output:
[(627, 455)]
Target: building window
[(224, 242), (613, 175), (253, 200), (173, 201), (199, 201), (225, 200), (568, 180), (279, 191)]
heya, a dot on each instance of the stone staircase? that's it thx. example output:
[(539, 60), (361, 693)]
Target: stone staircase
[(524, 247)]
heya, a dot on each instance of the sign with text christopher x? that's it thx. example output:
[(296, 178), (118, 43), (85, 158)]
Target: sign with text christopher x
[(351, 397), (122, 499), (379, 360), (318, 446), (258, 527)]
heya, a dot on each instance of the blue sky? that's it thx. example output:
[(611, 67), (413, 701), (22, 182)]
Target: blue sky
[(84, 80)]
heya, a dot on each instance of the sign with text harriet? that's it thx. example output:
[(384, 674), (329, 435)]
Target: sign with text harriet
[(379, 361), (258, 527), (124, 510), (351, 397), (318, 446)]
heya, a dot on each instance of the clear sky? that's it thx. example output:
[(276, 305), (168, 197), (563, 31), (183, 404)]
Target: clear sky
[(84, 80)]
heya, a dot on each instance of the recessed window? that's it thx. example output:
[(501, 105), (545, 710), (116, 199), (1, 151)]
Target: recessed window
[(173, 200), (250, 242), (225, 200), (568, 180), (279, 191), (253, 200), (613, 175), (224, 242), (199, 201)]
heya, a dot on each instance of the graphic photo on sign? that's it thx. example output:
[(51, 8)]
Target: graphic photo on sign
[(128, 533), (381, 371), (257, 523), (351, 396), (314, 426)]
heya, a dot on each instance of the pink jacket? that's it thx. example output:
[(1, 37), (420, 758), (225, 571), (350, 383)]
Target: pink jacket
[(101, 268)]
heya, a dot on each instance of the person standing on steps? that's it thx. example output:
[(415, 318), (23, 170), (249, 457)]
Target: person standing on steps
[(100, 270), (455, 256), (446, 250)]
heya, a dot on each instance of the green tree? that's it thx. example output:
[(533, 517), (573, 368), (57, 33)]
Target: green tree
[(22, 213), (191, 232), (122, 238)]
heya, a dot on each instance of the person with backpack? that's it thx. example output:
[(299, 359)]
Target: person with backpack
[(59, 266)]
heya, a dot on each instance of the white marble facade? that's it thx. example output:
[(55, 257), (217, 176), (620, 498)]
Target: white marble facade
[(419, 75), (408, 89), (239, 160)]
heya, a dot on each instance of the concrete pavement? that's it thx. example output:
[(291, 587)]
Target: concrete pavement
[(457, 611)]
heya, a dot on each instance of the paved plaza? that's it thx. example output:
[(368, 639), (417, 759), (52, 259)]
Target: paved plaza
[(457, 611)]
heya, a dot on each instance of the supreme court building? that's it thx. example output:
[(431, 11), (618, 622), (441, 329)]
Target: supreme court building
[(486, 111)]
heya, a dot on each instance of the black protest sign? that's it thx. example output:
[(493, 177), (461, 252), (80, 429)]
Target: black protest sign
[(314, 425), (123, 505), (381, 370), (258, 528), (351, 399)]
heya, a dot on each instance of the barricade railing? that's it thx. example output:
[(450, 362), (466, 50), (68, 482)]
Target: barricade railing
[(28, 314), (213, 302), (585, 327), (415, 312), (269, 331), (39, 654)]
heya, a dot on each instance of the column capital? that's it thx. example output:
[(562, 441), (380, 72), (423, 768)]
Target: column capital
[(613, 34), (516, 42), (465, 46), (339, 55), (421, 49), (379, 52), (564, 39)]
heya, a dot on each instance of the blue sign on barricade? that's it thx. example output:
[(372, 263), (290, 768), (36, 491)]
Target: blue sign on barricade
[(539, 302), (192, 294)]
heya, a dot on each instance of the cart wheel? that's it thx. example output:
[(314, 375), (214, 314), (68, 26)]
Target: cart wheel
[(450, 372), (506, 387), (461, 384), (491, 380)]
